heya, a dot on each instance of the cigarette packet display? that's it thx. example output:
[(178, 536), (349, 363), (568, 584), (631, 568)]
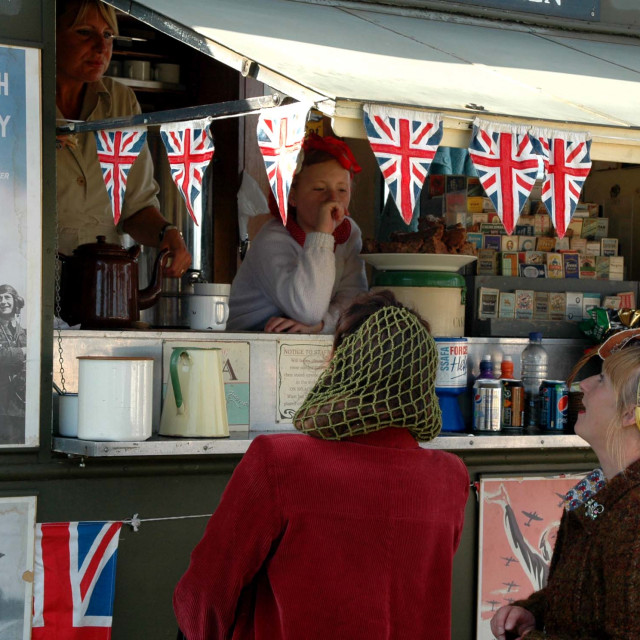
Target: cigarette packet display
[(492, 242), (609, 246), (545, 243), (488, 303), (593, 248), (555, 265), (589, 228), (509, 263), (524, 304), (557, 305), (507, 305), (627, 300), (616, 268), (602, 229), (574, 305), (578, 244), (535, 257), (589, 301), (509, 243), (587, 267), (526, 243), (541, 305), (602, 267), (476, 239), (487, 264), (574, 230), (571, 263), (611, 302), (563, 244)]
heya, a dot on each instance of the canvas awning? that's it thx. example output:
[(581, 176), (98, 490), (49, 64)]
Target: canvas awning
[(340, 57)]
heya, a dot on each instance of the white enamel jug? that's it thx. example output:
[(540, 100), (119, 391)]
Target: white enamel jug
[(195, 405)]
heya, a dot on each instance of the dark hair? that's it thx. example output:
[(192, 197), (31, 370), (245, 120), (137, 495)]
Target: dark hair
[(18, 302), (365, 305)]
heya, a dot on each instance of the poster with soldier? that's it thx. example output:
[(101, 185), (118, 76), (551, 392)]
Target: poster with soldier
[(20, 246)]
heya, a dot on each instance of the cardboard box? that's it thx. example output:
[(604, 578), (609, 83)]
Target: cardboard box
[(555, 265), (487, 264), (476, 239), (611, 302), (492, 228), (589, 228), (587, 267), (474, 204), (542, 224), (479, 219), (535, 257), (616, 268), (609, 246), (526, 243), (524, 304), (487, 204), (509, 263), (507, 305), (488, 303), (509, 243), (627, 300), (533, 270), (574, 305), (563, 244), (545, 243), (574, 230), (492, 242), (602, 267), (602, 230), (557, 305), (593, 248), (578, 244), (589, 301), (571, 264), (541, 305)]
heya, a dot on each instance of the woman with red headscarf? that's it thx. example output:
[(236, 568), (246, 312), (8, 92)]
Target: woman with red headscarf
[(299, 277)]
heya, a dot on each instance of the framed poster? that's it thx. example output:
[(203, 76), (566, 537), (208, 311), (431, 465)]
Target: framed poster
[(20, 246), (519, 519), (17, 531)]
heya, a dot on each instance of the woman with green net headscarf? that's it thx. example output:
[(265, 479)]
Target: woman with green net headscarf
[(349, 533)]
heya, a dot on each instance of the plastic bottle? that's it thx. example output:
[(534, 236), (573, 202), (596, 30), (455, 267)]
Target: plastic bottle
[(506, 368), (486, 367), (534, 371)]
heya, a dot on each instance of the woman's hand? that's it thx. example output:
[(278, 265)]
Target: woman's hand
[(512, 623), (278, 324), (330, 215)]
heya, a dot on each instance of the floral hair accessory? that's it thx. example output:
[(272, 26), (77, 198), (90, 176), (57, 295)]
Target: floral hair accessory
[(333, 146)]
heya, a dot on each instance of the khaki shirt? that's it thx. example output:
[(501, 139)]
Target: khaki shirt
[(84, 207)]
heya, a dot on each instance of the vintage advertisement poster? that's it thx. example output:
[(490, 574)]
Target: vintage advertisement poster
[(519, 519), (17, 529), (20, 246)]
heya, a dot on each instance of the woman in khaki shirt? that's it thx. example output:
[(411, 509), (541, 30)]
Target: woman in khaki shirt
[(84, 32)]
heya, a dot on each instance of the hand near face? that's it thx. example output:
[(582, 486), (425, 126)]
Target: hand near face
[(512, 623), (330, 215)]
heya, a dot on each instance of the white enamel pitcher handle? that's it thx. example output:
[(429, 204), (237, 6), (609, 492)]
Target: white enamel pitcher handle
[(175, 379)]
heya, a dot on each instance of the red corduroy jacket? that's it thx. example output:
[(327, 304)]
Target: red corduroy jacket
[(314, 539)]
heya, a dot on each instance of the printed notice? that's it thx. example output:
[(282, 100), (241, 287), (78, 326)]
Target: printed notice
[(299, 366)]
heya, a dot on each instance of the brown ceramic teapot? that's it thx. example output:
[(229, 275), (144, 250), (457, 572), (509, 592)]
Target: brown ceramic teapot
[(99, 286)]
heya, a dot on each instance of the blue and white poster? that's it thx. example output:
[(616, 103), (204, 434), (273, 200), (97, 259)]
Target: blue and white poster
[(20, 246)]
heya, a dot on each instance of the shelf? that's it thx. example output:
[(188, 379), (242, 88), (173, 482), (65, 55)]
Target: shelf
[(149, 85), (238, 443)]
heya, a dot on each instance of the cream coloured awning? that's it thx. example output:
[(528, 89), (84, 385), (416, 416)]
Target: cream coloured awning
[(341, 57)]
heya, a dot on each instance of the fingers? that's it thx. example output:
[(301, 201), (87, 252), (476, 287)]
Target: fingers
[(278, 324), (510, 621), (180, 258)]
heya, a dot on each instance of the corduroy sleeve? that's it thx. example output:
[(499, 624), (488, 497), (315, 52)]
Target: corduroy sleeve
[(235, 544)]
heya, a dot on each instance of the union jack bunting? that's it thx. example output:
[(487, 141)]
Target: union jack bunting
[(404, 143), (117, 151), (567, 162), (507, 166), (280, 134), (189, 148), (75, 569)]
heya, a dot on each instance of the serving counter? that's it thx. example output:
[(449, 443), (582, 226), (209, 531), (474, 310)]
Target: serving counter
[(266, 378)]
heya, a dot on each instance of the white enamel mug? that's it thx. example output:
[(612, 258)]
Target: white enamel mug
[(115, 398), (208, 308), (137, 69)]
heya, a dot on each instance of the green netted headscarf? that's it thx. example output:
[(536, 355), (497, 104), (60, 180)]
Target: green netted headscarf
[(382, 375)]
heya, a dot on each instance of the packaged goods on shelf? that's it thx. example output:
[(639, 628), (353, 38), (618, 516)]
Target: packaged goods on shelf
[(587, 267), (574, 228), (509, 263), (475, 238), (616, 269), (524, 304), (603, 265), (488, 303), (555, 265), (535, 257), (574, 305), (609, 246), (545, 243), (589, 228), (557, 305), (492, 242), (627, 300), (541, 224), (602, 230), (507, 305), (592, 248), (589, 301), (533, 270), (578, 244), (509, 243), (571, 264), (563, 244), (526, 243), (492, 228), (611, 302), (487, 262), (541, 305)]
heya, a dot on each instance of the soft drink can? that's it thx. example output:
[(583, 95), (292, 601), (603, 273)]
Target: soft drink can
[(487, 405), (554, 405), (512, 404)]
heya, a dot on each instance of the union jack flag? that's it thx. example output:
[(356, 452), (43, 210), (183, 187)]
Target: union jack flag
[(75, 569), (280, 134), (117, 151), (404, 143), (189, 149), (567, 163), (507, 166)]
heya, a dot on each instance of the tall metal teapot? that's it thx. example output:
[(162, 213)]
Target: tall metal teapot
[(99, 285)]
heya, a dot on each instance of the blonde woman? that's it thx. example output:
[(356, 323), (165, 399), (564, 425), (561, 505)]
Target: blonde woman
[(594, 582)]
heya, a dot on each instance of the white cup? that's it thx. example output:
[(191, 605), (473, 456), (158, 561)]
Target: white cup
[(208, 308), (166, 72), (68, 415), (137, 69), (114, 69), (115, 398)]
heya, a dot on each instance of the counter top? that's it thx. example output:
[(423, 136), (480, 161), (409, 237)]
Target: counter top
[(238, 443)]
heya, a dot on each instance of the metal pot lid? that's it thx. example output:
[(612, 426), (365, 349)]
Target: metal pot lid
[(101, 247)]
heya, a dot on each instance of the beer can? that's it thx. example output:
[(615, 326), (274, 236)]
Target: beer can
[(487, 405), (554, 405), (512, 404)]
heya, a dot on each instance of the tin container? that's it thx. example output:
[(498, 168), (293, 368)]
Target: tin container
[(487, 405), (512, 404), (554, 405)]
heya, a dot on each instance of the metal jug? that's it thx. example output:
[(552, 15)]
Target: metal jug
[(195, 405)]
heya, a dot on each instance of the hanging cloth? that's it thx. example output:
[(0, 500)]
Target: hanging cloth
[(507, 165), (404, 143), (189, 148), (280, 134), (567, 162), (117, 151)]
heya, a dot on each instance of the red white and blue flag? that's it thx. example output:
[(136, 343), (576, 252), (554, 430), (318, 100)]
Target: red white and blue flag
[(567, 162), (75, 570), (281, 131), (404, 143), (189, 148), (117, 151), (507, 165)]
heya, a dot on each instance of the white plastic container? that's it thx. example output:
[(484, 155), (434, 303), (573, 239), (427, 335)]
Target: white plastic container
[(115, 398)]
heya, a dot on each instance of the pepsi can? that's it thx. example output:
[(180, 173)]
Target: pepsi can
[(554, 405), (487, 405)]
